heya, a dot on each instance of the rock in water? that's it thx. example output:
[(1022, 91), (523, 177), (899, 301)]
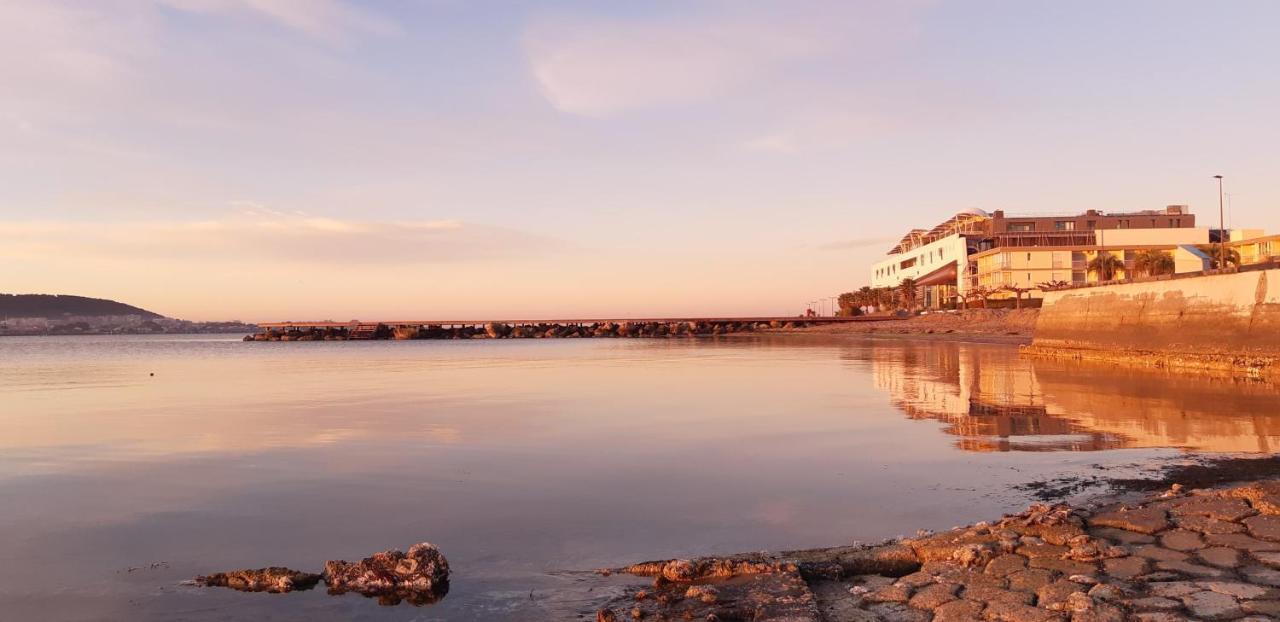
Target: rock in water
[(420, 577), (274, 579)]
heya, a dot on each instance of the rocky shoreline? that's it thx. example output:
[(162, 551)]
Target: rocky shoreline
[(419, 577), (1207, 554)]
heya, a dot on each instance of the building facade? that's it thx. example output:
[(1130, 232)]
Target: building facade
[(1256, 248), (940, 267), (998, 250), (1001, 270), (936, 259)]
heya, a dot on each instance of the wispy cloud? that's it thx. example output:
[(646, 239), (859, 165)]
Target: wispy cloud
[(75, 64), (274, 238), (332, 20), (603, 66)]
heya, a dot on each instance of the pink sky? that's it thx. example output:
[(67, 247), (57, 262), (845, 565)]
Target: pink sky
[(277, 159)]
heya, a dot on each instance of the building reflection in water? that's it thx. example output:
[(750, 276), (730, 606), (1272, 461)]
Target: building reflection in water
[(993, 400)]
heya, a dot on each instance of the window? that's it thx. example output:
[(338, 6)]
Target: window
[(1123, 224), (1092, 224), (1022, 226), (1064, 225), (1028, 257)]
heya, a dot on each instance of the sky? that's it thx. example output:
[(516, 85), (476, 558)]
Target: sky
[(324, 159)]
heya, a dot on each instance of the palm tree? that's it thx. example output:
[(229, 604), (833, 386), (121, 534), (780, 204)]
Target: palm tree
[(849, 303), (884, 297), (907, 293), (1233, 258), (1105, 265), (1153, 263)]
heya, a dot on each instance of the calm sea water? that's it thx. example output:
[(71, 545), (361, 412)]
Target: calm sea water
[(528, 462)]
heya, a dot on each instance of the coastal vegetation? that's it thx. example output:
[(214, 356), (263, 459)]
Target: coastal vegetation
[(977, 296), (1105, 265), (908, 293), (1212, 250), (906, 297), (1017, 292), (1153, 263), (853, 303)]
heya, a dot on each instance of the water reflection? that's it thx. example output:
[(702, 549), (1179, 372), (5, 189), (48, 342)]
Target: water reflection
[(996, 402), (528, 460)]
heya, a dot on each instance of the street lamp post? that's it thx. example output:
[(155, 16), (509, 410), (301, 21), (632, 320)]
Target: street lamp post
[(1222, 228)]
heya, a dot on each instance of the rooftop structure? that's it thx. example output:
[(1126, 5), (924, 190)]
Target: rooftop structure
[(970, 222), (1064, 230)]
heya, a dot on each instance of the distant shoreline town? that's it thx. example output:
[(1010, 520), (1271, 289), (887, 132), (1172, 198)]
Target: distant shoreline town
[(116, 325), (47, 314)]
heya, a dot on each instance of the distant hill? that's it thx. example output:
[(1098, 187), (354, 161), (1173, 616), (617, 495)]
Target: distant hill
[(54, 306)]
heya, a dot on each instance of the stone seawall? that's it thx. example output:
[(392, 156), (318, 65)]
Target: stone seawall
[(496, 330), (1218, 323)]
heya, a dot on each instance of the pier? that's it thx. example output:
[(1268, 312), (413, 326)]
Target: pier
[(537, 329)]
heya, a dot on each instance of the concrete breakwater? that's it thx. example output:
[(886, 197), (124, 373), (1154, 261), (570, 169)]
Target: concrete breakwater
[(518, 330), (1215, 322)]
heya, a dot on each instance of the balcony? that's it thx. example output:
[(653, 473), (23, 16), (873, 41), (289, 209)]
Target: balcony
[(1045, 238)]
